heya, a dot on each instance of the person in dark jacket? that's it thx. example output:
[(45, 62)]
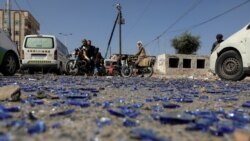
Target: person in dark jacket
[(219, 39)]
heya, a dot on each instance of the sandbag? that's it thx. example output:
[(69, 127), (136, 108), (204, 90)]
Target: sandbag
[(145, 62)]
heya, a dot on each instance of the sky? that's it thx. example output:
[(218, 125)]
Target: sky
[(145, 20)]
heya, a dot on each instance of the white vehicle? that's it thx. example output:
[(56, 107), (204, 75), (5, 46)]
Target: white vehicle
[(231, 59), (44, 52), (9, 57)]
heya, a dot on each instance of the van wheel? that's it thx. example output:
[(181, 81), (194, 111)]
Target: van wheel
[(10, 64), (229, 66)]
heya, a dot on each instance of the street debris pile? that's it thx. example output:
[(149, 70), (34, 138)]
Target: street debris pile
[(48, 107)]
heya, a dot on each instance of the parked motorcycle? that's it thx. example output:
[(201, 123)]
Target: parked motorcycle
[(143, 69), (78, 65)]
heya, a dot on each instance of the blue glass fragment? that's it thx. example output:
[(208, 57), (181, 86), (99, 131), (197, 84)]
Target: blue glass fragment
[(170, 105), (63, 113), (145, 135), (176, 118), (16, 124), (116, 113), (12, 109), (4, 116), (157, 108), (201, 124), (4, 137), (80, 103), (246, 104), (107, 104), (129, 123), (225, 127), (137, 105), (104, 121), (37, 127)]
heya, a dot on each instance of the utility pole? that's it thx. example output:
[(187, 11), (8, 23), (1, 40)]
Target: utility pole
[(118, 6), (120, 22), (8, 15)]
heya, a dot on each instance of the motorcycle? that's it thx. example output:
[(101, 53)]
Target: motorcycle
[(78, 65), (143, 69)]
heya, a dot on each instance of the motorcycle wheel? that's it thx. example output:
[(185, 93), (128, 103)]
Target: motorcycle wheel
[(147, 72), (70, 69), (126, 71)]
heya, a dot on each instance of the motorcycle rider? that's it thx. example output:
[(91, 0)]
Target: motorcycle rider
[(140, 54)]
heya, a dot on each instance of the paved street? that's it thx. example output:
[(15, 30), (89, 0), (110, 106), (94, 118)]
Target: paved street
[(80, 108)]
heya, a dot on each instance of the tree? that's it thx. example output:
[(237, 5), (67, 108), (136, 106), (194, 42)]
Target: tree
[(186, 43)]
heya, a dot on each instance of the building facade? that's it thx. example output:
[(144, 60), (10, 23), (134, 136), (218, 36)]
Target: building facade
[(22, 23)]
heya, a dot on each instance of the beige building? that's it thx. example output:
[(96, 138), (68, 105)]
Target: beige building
[(22, 23)]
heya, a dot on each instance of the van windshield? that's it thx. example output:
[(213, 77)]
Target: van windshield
[(39, 42)]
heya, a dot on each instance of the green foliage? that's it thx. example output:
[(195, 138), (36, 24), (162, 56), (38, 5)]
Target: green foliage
[(186, 43)]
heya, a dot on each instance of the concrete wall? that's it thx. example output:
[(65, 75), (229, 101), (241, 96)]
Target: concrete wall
[(182, 65)]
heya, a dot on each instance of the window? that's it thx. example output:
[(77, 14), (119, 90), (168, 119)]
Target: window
[(200, 64), (173, 62), (16, 32), (17, 22), (39, 42), (248, 27), (186, 63)]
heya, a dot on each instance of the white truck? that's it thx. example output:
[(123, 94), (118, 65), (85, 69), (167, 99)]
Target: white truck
[(230, 60)]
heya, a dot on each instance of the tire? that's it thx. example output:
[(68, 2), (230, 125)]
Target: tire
[(126, 71), (229, 66), (9, 64), (69, 68), (147, 72)]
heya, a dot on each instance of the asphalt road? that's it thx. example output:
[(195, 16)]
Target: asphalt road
[(78, 108)]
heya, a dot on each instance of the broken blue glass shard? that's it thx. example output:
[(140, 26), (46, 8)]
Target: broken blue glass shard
[(37, 127), (129, 112), (63, 113), (176, 118), (184, 100), (170, 105), (80, 103), (137, 105), (246, 104), (16, 124), (104, 121), (201, 124), (4, 137), (12, 109), (156, 108), (4, 116), (115, 112), (238, 116), (107, 104), (225, 127), (129, 123), (145, 135)]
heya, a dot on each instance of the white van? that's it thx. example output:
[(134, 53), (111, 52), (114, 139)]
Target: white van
[(9, 57), (44, 52), (231, 59)]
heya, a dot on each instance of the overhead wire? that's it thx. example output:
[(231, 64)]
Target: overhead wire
[(219, 15), (140, 16), (193, 6)]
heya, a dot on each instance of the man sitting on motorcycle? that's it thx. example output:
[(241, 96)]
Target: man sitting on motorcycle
[(140, 54)]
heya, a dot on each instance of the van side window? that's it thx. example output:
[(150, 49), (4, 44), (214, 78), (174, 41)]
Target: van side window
[(248, 27)]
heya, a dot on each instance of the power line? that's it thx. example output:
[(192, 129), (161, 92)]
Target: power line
[(141, 16), (196, 3), (219, 15)]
